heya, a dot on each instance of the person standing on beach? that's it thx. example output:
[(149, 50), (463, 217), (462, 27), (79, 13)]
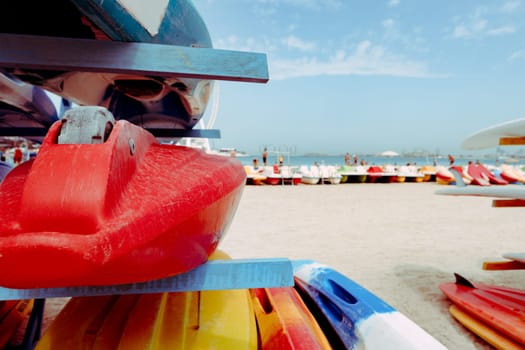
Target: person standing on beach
[(451, 159), (347, 158), (265, 156)]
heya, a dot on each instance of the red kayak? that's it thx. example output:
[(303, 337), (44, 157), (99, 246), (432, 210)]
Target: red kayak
[(492, 178), (483, 177), (126, 210), (499, 307)]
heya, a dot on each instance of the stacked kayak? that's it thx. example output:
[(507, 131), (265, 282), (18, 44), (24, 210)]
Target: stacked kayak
[(284, 321), (12, 314), (323, 310), (353, 317), (106, 202), (185, 320), (215, 319), (493, 313), (114, 206)]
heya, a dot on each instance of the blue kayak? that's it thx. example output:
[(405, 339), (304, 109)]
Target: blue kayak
[(353, 317)]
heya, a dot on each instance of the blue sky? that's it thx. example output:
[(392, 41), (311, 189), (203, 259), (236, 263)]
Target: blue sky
[(367, 76)]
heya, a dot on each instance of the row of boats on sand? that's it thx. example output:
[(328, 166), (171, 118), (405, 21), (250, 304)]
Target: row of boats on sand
[(479, 174), (330, 174)]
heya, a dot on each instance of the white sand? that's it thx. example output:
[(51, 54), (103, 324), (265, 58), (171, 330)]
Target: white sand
[(400, 241)]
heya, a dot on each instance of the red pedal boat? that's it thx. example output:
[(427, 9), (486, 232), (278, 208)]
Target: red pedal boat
[(127, 209)]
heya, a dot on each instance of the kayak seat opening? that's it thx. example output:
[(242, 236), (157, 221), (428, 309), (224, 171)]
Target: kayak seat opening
[(341, 293)]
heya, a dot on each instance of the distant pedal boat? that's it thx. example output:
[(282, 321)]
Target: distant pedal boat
[(352, 174), (444, 176)]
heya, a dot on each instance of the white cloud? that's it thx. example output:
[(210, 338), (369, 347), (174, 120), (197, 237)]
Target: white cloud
[(388, 23), (508, 29), (511, 6), (250, 44), (393, 3), (518, 55), (479, 27), (294, 42), (312, 4), (461, 31), (366, 59)]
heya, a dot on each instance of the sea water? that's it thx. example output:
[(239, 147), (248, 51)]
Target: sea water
[(295, 160)]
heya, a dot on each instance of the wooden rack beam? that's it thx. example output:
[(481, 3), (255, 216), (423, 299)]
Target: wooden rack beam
[(213, 275)]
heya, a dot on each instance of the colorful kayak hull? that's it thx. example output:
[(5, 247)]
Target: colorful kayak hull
[(190, 320), (511, 174), (358, 318), (429, 173), (118, 212), (219, 319), (273, 180), (444, 176), (498, 307), (151, 102), (494, 338), (495, 180), (284, 321), (12, 314)]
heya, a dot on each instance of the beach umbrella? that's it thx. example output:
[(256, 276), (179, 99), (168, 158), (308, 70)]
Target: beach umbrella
[(389, 154)]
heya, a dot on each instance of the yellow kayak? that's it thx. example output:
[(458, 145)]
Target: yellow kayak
[(222, 319)]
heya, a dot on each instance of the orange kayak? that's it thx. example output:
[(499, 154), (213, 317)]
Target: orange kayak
[(285, 322)]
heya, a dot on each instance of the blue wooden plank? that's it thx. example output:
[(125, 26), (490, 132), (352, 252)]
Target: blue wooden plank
[(214, 275), (85, 55)]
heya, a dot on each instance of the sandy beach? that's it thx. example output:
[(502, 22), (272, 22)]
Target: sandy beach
[(400, 241)]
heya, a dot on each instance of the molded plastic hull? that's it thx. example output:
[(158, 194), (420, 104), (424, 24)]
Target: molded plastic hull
[(284, 321), (118, 212), (354, 318)]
